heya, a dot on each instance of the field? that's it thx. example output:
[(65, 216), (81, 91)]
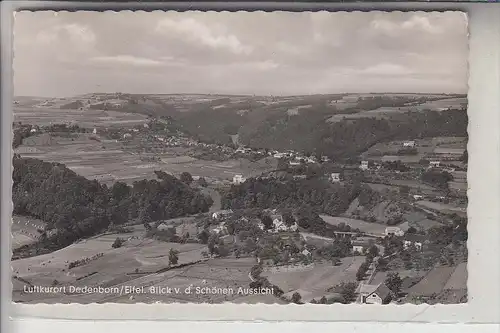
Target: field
[(441, 279), (25, 230), (133, 264), (312, 282), (84, 118), (426, 148), (108, 161), (371, 228), (386, 112), (443, 208)]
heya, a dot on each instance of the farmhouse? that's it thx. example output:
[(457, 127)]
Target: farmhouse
[(434, 164), (335, 177), (238, 179), (374, 294), (162, 227), (396, 231), (415, 245), (306, 253), (221, 214), (358, 249), (409, 144), (364, 165)]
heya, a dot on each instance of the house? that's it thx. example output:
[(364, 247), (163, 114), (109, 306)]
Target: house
[(396, 231), (33, 130), (127, 135), (238, 179), (409, 244), (374, 294), (358, 248), (364, 165), (220, 228), (325, 159), (162, 227), (145, 126), (279, 155), (418, 197), (294, 163), (306, 253), (94, 131), (409, 144), (221, 214), (335, 177), (434, 164)]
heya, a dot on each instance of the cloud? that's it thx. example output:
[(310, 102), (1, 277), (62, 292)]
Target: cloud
[(201, 33), (126, 60), (75, 33), (415, 23), (387, 69), (239, 52)]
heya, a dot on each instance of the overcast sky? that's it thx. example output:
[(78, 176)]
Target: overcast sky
[(239, 53)]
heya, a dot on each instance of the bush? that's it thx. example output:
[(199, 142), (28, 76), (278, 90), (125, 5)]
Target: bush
[(117, 243)]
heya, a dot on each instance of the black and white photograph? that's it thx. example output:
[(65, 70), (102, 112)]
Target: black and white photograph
[(240, 157)]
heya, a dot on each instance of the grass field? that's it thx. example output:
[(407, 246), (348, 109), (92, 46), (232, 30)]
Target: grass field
[(25, 230), (443, 208), (312, 282), (372, 228), (84, 118), (450, 283), (109, 162)]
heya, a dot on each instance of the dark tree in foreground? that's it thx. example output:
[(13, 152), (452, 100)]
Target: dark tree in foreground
[(347, 290), (394, 282), (296, 298), (173, 257), (267, 221), (186, 177), (117, 243)]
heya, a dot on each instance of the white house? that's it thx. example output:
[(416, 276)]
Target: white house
[(358, 248), (220, 228), (364, 165), (416, 245), (162, 227), (238, 179), (294, 163), (418, 197), (127, 135), (335, 177), (222, 213), (279, 155), (374, 294), (434, 164), (306, 253), (33, 130), (145, 126), (94, 131), (396, 231), (409, 144)]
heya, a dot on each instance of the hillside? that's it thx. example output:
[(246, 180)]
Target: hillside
[(74, 207), (334, 125)]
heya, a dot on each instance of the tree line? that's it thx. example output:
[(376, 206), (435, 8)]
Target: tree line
[(77, 207)]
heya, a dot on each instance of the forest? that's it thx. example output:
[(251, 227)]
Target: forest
[(77, 207), (332, 199)]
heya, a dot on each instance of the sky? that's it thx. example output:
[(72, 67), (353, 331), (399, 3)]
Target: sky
[(279, 53)]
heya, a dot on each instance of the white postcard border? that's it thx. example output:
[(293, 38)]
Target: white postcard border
[(484, 236)]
